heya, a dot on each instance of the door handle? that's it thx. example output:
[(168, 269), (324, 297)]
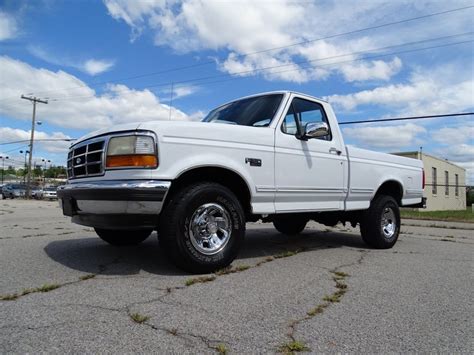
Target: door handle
[(335, 151)]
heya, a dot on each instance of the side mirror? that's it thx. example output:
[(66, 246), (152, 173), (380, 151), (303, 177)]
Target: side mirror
[(316, 129)]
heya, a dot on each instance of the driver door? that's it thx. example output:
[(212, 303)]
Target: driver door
[(309, 172)]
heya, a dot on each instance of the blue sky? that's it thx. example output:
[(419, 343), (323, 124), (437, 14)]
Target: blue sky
[(102, 63)]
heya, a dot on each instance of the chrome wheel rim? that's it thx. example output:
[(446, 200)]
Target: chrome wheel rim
[(389, 223), (210, 228)]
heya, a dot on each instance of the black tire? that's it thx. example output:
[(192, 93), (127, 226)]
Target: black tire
[(290, 224), (176, 227), (123, 237), (373, 232)]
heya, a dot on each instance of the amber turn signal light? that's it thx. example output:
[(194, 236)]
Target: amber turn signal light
[(123, 161)]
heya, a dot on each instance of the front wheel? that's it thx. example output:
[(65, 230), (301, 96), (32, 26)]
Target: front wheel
[(380, 224), (202, 228), (123, 237)]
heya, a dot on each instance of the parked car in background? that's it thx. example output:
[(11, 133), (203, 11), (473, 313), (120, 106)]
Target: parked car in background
[(37, 193), (13, 190), (50, 193)]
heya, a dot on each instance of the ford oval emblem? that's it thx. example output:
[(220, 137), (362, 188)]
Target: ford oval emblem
[(78, 161)]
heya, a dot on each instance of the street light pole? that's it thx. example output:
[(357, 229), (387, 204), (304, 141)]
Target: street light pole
[(3, 165), (34, 100), (45, 161), (24, 166)]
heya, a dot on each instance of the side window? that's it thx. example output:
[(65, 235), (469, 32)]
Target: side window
[(289, 123), (302, 112)]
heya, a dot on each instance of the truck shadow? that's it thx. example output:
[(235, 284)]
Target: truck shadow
[(92, 255)]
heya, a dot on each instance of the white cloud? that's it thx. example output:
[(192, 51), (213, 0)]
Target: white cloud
[(375, 70), (454, 135), (457, 145), (248, 26), (458, 152), (179, 91), (54, 146), (89, 66), (436, 91), (132, 12), (8, 26), (94, 66), (394, 137), (80, 107)]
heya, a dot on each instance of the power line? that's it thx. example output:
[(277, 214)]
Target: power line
[(340, 123), (233, 76), (41, 140), (17, 148), (190, 66), (408, 118)]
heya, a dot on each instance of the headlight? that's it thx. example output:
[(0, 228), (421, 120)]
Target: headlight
[(132, 151)]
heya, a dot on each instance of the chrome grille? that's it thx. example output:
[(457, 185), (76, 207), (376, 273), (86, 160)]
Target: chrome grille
[(86, 159)]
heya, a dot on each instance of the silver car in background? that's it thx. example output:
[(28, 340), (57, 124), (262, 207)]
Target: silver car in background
[(13, 190)]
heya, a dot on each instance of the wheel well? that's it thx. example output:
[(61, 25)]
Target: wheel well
[(391, 188), (225, 177)]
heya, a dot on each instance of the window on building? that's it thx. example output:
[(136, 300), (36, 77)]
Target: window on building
[(446, 183), (456, 189), (434, 182)]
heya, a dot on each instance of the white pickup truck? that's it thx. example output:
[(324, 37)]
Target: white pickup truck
[(277, 157)]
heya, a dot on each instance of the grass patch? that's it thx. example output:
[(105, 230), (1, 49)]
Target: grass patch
[(340, 274), (9, 297), (286, 254), (334, 298), (27, 291), (221, 349), (139, 318), (293, 346), (201, 279), (317, 310), (46, 288), (87, 277), (231, 270), (466, 215)]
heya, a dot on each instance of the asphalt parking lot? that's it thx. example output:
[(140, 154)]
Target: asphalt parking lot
[(64, 290)]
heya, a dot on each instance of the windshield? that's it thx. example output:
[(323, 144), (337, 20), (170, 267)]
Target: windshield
[(255, 111)]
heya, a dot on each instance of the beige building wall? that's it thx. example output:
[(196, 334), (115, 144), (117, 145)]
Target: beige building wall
[(445, 183)]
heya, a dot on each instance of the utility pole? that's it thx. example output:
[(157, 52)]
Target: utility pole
[(34, 100)]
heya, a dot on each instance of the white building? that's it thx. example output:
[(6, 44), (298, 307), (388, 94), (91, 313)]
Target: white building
[(445, 186)]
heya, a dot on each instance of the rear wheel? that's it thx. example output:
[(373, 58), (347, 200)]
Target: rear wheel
[(123, 237), (203, 227), (380, 224), (290, 224)]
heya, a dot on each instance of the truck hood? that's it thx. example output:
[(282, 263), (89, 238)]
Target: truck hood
[(210, 131), (194, 130), (117, 128)]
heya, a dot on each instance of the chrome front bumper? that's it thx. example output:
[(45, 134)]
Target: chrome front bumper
[(114, 204)]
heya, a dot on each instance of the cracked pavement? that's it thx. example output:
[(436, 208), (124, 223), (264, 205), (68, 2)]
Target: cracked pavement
[(414, 297)]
